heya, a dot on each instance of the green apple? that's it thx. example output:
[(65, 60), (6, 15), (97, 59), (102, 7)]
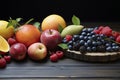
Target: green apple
[(71, 30)]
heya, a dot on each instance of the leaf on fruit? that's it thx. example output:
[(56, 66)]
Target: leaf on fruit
[(63, 45), (37, 24), (18, 19), (60, 28), (13, 23), (75, 20)]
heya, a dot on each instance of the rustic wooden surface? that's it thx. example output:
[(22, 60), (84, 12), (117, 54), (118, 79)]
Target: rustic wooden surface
[(65, 69)]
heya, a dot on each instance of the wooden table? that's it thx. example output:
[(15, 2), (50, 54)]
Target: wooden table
[(65, 69)]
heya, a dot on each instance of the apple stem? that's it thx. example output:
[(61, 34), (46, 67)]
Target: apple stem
[(50, 31), (0, 56)]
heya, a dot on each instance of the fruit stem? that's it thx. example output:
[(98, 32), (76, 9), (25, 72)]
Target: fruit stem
[(50, 31), (29, 21), (0, 56)]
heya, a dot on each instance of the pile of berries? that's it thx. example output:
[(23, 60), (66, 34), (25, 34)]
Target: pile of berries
[(98, 39), (55, 56), (4, 59)]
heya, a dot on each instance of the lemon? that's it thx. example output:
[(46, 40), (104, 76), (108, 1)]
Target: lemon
[(5, 31), (4, 46)]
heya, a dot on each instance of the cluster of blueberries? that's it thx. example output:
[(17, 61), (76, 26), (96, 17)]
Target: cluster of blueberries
[(88, 41)]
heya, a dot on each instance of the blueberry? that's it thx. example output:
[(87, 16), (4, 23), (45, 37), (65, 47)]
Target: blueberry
[(88, 34), (99, 43), (82, 42), (85, 30), (114, 44), (89, 49), (92, 33), (94, 37), (86, 44), (89, 42), (89, 37), (81, 37), (94, 43), (70, 43), (83, 33), (90, 29), (70, 47), (85, 38), (64, 41), (109, 49), (107, 44), (94, 49)]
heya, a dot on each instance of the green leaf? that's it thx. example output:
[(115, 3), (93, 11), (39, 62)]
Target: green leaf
[(13, 23), (18, 19), (63, 45), (75, 20), (60, 28), (37, 24)]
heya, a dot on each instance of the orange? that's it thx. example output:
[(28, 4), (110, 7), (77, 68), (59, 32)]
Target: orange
[(5, 31), (27, 34), (4, 45), (52, 22)]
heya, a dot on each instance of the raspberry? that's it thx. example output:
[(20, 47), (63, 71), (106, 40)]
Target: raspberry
[(54, 58), (59, 54), (11, 41), (7, 58), (115, 34), (118, 39), (96, 31), (100, 28), (2, 62), (68, 37), (106, 31)]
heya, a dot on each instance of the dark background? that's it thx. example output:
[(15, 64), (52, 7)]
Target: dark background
[(86, 10)]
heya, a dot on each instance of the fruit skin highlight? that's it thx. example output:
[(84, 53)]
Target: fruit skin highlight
[(27, 34), (52, 22), (5, 31)]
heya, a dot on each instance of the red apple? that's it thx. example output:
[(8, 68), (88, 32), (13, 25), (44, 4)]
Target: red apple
[(51, 38), (18, 51), (37, 51)]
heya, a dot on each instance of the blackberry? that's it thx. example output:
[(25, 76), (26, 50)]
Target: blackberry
[(82, 49)]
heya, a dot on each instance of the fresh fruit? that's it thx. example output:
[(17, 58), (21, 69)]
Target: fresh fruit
[(7, 58), (115, 34), (4, 45), (11, 41), (71, 30), (18, 51), (5, 31), (37, 51), (68, 37), (27, 34), (2, 62), (51, 38), (54, 58), (89, 41), (60, 54), (118, 39), (52, 22)]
